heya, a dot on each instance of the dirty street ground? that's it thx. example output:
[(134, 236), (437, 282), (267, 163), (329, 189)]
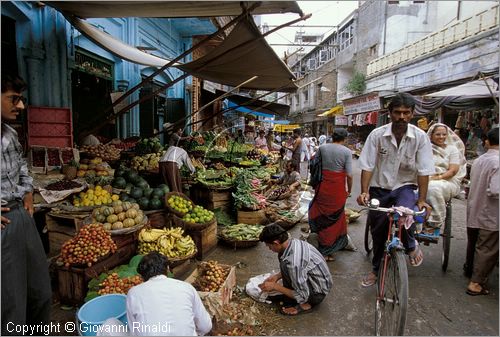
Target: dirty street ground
[(438, 304)]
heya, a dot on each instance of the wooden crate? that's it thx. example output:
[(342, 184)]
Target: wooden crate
[(251, 217), (211, 199), (54, 221), (73, 281), (157, 218), (205, 240), (56, 240), (224, 294)]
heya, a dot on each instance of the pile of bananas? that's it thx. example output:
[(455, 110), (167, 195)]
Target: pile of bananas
[(169, 242)]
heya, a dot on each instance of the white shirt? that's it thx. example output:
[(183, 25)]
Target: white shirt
[(178, 155), (166, 307), (394, 167)]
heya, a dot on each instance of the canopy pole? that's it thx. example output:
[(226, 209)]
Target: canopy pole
[(481, 75), (167, 65)]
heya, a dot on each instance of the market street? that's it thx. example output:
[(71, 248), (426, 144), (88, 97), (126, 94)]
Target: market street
[(438, 304)]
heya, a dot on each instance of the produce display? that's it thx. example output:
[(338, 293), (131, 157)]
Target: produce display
[(113, 284), (198, 214), (93, 167), (147, 162), (241, 232), (148, 145), (122, 214), (94, 197), (254, 154), (249, 162), (63, 185), (115, 281), (180, 204), (169, 242), (137, 189), (90, 244), (211, 276), (216, 178), (249, 189), (107, 152)]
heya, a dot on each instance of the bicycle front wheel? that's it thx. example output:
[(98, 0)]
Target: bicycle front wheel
[(392, 295)]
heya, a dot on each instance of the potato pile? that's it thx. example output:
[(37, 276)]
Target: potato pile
[(106, 152)]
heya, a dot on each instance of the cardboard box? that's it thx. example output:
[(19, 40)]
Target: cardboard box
[(225, 292)]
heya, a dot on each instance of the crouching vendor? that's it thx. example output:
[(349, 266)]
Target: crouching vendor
[(306, 279), (287, 187)]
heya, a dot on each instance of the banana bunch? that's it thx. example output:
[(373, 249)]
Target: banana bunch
[(170, 242)]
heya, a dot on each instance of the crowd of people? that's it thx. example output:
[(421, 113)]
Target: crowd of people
[(400, 164)]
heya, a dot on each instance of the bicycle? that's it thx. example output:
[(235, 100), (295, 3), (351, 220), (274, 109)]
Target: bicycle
[(426, 239), (392, 280)]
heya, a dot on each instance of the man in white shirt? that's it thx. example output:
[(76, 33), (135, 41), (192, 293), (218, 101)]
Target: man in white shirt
[(163, 306), (396, 160), (170, 165)]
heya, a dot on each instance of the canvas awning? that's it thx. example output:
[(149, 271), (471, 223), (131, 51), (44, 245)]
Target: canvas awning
[(235, 107), (224, 64), (475, 89), (170, 9), (244, 53), (336, 110)]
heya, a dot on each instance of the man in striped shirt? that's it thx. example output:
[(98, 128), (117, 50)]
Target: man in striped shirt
[(303, 271), (26, 291)]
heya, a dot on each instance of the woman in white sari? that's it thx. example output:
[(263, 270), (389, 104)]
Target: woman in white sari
[(450, 164)]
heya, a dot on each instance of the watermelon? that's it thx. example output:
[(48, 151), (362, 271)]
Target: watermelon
[(142, 183), (143, 203), (119, 182), (132, 176), (155, 203), (157, 193), (147, 192), (164, 188), (136, 192)]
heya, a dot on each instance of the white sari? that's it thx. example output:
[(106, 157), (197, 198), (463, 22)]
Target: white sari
[(442, 190)]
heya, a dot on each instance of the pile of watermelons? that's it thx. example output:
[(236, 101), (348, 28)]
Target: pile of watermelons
[(136, 189)]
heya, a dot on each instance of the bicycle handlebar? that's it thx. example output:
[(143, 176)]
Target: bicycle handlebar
[(373, 205)]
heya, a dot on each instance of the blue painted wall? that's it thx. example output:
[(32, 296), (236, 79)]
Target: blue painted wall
[(46, 45)]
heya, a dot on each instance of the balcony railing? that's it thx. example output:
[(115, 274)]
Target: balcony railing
[(479, 23)]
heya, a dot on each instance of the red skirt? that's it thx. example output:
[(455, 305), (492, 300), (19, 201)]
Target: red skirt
[(326, 211)]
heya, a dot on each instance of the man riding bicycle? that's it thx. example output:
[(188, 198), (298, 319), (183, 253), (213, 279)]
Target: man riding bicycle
[(396, 160)]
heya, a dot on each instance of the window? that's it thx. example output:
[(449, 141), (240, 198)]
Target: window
[(373, 50), (393, 2), (323, 56), (305, 94), (319, 93), (296, 98), (311, 64), (419, 2)]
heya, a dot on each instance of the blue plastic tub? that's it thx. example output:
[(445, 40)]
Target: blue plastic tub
[(93, 313)]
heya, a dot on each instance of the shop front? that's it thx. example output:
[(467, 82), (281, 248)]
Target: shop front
[(363, 114)]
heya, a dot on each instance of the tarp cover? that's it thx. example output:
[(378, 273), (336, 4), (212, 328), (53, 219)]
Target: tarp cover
[(243, 53), (169, 9), (115, 46), (475, 89)]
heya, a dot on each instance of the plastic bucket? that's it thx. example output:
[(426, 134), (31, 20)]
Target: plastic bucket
[(93, 313)]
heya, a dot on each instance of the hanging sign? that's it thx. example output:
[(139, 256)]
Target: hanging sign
[(365, 103)]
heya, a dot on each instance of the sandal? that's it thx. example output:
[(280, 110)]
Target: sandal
[(369, 280), (471, 292), (329, 258), (298, 308), (416, 257)]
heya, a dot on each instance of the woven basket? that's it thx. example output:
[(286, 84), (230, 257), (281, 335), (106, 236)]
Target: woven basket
[(170, 209), (176, 261), (238, 243), (178, 222)]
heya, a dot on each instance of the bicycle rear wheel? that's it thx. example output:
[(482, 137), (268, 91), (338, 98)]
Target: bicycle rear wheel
[(392, 296), (368, 237)]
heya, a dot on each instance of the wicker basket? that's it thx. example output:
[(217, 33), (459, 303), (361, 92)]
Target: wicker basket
[(170, 209), (178, 222), (177, 261), (238, 243)]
